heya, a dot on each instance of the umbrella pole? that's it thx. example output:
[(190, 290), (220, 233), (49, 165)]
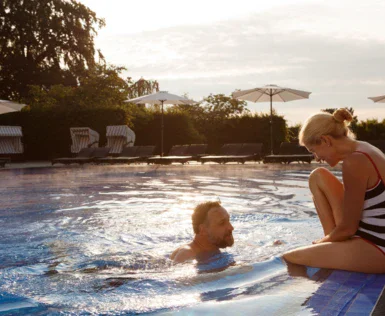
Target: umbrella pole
[(161, 134), (271, 123)]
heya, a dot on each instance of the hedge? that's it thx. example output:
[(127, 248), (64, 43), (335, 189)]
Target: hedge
[(47, 136), (244, 129), (178, 130)]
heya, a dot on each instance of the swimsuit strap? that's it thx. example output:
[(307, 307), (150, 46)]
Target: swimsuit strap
[(371, 160)]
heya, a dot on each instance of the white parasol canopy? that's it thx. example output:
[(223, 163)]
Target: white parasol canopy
[(9, 106), (161, 97), (270, 93), (380, 99)]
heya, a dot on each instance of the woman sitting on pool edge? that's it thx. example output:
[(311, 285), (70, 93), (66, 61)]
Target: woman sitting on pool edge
[(352, 213)]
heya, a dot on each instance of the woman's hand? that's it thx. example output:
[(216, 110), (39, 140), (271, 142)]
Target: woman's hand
[(339, 233), (319, 241)]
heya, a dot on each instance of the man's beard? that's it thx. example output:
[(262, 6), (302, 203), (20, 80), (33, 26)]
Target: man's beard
[(226, 241)]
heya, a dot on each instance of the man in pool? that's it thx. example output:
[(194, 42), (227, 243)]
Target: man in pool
[(213, 230)]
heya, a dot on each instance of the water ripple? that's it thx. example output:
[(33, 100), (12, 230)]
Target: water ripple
[(97, 239)]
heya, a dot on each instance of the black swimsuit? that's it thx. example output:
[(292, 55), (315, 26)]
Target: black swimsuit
[(372, 223)]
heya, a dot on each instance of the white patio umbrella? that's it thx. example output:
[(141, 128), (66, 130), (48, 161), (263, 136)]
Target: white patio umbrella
[(161, 97), (380, 99), (9, 106), (270, 93)]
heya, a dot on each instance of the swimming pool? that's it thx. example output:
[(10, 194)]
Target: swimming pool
[(96, 239)]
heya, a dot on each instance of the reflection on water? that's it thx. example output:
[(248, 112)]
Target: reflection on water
[(97, 239)]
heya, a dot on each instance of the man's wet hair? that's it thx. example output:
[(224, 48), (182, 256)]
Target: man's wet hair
[(200, 213)]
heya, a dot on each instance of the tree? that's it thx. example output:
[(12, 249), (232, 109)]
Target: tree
[(58, 96), (141, 87), (100, 87), (44, 43), (195, 111), (219, 106), (210, 115)]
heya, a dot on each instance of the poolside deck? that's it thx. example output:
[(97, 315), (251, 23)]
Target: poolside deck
[(208, 165)]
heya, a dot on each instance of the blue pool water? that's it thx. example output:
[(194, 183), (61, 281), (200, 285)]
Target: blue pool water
[(96, 239)]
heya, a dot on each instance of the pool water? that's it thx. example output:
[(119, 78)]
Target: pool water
[(97, 239)]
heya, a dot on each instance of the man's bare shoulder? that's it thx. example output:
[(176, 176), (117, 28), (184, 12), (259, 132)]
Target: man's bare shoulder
[(182, 254)]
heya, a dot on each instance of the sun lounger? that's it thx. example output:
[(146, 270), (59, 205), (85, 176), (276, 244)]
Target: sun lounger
[(226, 150), (289, 152), (379, 143), (197, 151), (249, 152), (3, 161), (86, 155), (127, 152), (178, 150), (118, 137), (83, 155), (83, 137), (142, 153), (177, 153), (181, 154), (237, 153), (100, 153)]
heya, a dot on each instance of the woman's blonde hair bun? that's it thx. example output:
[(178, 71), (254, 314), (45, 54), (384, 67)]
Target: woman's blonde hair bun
[(341, 115), (324, 123)]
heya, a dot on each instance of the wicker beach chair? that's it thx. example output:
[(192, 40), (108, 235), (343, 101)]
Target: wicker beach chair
[(119, 137), (10, 140), (83, 137)]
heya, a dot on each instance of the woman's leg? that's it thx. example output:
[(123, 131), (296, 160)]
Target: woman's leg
[(328, 194), (353, 255)]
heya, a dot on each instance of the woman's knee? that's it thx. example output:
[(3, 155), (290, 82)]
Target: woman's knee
[(318, 176), (295, 256), (321, 177)]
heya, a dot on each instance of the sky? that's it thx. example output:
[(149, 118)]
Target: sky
[(332, 48)]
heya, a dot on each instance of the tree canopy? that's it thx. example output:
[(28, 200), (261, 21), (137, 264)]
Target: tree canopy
[(99, 87), (141, 87), (220, 106), (213, 107), (44, 43)]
